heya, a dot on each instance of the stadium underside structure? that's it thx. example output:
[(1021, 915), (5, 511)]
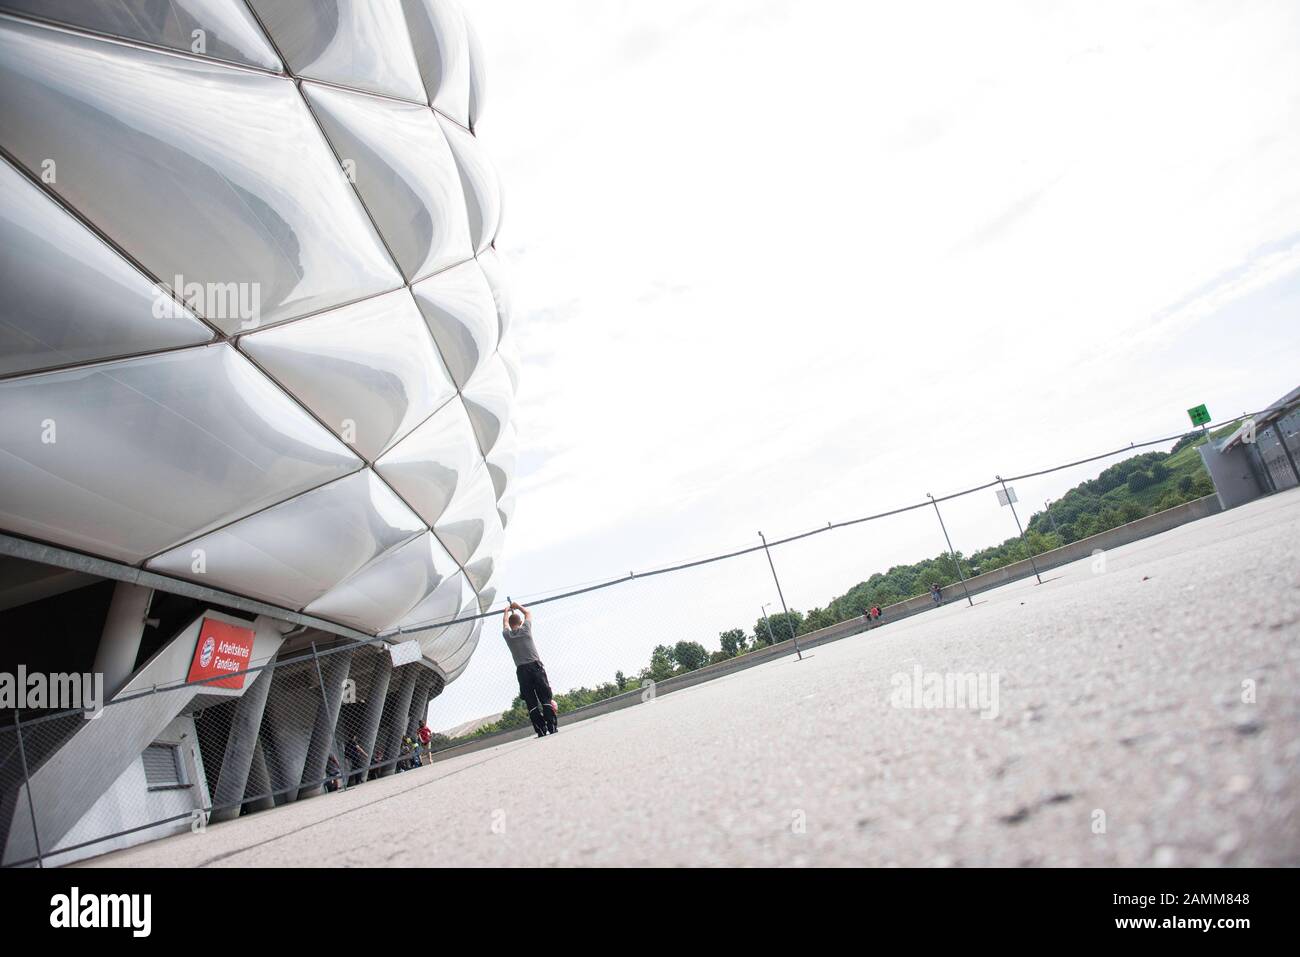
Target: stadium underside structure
[(256, 384)]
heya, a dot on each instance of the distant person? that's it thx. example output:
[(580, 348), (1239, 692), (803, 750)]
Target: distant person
[(866, 616), (534, 688), (936, 593), (876, 612), (376, 764), (357, 759), (426, 736), (332, 774)]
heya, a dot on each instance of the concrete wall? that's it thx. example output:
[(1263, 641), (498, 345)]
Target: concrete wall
[(1083, 548), (122, 808), (1234, 478)]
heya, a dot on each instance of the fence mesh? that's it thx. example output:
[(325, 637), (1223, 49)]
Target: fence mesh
[(311, 719)]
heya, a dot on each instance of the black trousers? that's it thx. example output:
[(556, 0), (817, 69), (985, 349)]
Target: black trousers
[(535, 689)]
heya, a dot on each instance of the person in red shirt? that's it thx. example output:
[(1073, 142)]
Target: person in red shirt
[(425, 735)]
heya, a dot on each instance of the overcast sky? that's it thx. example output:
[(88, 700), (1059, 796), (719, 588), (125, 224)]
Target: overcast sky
[(784, 263)]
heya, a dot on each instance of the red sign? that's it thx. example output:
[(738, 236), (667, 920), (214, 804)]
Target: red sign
[(222, 650)]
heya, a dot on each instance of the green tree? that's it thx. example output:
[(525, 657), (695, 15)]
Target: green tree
[(784, 627), (661, 664), (1108, 519), (1139, 480), (733, 642), (690, 655), (1131, 512), (818, 618)]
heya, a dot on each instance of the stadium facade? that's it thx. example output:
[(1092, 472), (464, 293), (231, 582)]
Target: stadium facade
[(256, 381)]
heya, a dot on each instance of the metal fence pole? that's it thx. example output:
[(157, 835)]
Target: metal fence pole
[(768, 552), (27, 783), (1028, 551), (325, 703), (955, 564)]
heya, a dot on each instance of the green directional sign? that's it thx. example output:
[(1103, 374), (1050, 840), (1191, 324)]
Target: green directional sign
[(1199, 415)]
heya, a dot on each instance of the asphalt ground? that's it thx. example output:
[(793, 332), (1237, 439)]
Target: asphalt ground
[(1141, 710)]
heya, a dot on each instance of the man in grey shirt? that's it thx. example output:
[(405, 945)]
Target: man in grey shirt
[(534, 688)]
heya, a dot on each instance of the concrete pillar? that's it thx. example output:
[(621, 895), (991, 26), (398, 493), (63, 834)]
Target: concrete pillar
[(119, 642), (286, 727), (420, 705), (376, 695), (420, 708), (241, 742), (259, 783), (431, 681), (411, 723), (397, 714), (334, 671)]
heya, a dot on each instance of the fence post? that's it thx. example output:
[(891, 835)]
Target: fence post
[(325, 705), (768, 553), (952, 554), (1028, 551), (27, 784)]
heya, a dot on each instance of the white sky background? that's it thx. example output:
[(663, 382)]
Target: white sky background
[(783, 263)]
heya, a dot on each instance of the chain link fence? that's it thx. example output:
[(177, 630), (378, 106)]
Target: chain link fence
[(298, 725), (611, 641), (307, 720)]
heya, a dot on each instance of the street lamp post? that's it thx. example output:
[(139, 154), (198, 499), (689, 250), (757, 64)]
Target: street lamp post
[(1047, 506)]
